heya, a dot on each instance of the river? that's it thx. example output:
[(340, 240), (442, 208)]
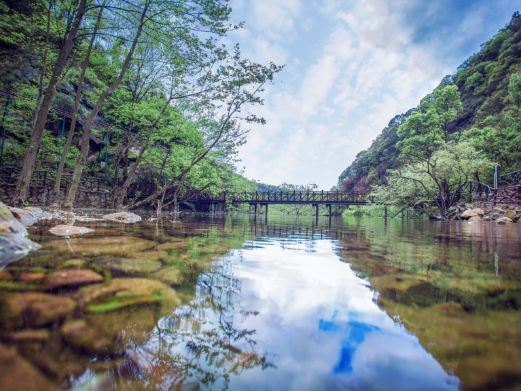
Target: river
[(232, 303)]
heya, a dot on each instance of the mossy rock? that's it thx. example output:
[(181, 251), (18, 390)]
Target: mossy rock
[(121, 293)]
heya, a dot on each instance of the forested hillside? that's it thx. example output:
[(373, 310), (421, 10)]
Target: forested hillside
[(485, 115), (150, 97)]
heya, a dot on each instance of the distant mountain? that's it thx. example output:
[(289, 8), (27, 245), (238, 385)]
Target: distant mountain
[(483, 82)]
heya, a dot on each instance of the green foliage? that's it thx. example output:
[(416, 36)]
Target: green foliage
[(439, 181), (514, 88)]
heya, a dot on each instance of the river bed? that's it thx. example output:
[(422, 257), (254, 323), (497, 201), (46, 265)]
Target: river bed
[(233, 303)]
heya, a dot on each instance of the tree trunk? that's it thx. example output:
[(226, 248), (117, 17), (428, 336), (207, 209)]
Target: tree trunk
[(24, 180), (121, 191), (82, 160), (77, 99)]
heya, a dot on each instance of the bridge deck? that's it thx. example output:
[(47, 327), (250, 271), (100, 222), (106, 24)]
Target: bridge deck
[(290, 197)]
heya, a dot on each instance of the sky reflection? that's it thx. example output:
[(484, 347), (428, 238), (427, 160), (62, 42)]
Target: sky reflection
[(289, 314)]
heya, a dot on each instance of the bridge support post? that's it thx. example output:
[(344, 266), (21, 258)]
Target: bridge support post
[(314, 211), (385, 212), (266, 214)]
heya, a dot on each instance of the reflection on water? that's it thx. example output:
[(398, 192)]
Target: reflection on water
[(217, 304), (297, 318)]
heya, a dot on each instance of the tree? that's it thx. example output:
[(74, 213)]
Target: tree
[(71, 32), (439, 182), (219, 115)]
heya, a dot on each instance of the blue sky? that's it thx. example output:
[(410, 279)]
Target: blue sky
[(350, 67)]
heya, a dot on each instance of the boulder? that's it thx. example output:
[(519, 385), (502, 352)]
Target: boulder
[(475, 218), (16, 373), (34, 309), (123, 217), (69, 230), (14, 243), (26, 217), (503, 220), (72, 278), (469, 213), (496, 215), (510, 214)]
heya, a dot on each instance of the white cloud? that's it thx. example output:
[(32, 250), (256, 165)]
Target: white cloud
[(329, 104)]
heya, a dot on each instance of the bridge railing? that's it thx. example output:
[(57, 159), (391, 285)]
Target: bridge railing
[(511, 178), (279, 196)]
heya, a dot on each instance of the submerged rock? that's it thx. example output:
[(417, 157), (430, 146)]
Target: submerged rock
[(170, 275), (34, 309), (130, 266), (32, 277), (105, 245), (18, 374), (14, 243), (71, 278), (123, 217), (84, 337), (124, 292), (69, 230)]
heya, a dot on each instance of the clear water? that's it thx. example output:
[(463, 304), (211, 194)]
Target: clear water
[(358, 304)]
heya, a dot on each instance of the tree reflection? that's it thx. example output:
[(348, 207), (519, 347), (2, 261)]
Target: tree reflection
[(203, 342)]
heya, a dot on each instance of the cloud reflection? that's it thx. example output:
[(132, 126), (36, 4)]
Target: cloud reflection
[(305, 316)]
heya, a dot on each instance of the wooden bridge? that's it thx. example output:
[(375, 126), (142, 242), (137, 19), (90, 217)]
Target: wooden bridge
[(263, 199)]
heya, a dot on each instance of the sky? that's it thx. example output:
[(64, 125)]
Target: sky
[(350, 67)]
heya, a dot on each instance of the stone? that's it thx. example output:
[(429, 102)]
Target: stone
[(503, 220), (32, 277), (124, 246), (34, 309), (71, 278), (16, 373), (130, 266), (495, 216), (124, 292), (475, 218), (468, 214), (516, 218), (69, 230), (510, 213), (123, 217), (14, 243), (27, 218), (82, 336)]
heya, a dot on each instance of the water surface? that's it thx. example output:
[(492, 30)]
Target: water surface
[(233, 303)]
